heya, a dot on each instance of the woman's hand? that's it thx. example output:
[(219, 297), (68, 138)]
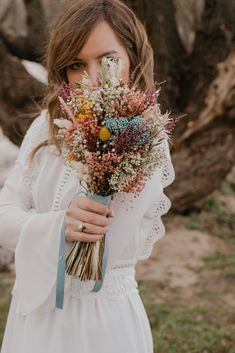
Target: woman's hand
[(92, 214)]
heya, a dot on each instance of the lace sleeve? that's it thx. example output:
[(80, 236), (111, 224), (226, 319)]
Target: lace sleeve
[(37, 133), (31, 233), (152, 227)]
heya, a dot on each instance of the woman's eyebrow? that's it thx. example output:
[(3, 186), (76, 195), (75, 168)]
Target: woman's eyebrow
[(101, 55), (107, 53)]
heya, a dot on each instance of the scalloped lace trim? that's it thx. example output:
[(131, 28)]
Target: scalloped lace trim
[(158, 229)]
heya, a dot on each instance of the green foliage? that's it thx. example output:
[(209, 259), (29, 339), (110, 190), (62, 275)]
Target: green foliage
[(190, 330), (212, 203), (227, 188), (213, 219), (220, 260), (194, 223), (4, 307)]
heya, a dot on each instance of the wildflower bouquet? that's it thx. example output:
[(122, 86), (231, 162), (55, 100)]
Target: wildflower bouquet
[(111, 137)]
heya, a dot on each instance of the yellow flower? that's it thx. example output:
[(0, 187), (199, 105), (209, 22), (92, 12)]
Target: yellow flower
[(80, 117), (87, 106), (70, 157), (86, 112), (104, 134)]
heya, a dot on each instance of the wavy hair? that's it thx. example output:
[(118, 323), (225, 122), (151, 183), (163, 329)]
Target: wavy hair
[(68, 33)]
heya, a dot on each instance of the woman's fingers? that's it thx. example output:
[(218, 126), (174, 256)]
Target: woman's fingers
[(82, 236), (92, 214), (89, 217), (90, 228), (87, 204)]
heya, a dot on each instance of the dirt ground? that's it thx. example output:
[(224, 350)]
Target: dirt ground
[(177, 261)]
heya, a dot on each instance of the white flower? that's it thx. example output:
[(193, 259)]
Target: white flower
[(63, 123), (87, 178), (75, 165), (81, 170), (86, 153)]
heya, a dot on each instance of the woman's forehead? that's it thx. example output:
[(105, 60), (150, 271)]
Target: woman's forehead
[(102, 40), (105, 53)]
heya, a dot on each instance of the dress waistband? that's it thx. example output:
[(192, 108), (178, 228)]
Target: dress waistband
[(119, 280)]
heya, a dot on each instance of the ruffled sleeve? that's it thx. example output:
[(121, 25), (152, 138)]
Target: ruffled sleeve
[(152, 228), (31, 234), (16, 204)]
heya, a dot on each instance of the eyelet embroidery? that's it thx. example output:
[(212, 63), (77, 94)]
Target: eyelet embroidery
[(158, 229), (117, 283), (58, 195)]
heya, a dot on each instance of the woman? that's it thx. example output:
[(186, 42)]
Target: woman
[(39, 196)]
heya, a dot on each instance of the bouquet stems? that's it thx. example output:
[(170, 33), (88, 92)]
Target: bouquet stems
[(85, 259)]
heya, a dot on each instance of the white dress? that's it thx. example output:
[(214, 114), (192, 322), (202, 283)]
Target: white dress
[(33, 203)]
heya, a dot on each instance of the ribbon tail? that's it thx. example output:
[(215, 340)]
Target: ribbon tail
[(61, 270), (61, 267)]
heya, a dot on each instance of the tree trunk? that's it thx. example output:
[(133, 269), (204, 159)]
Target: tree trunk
[(194, 53)]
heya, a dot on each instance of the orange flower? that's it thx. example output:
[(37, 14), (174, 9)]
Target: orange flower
[(83, 116), (70, 157), (86, 111), (80, 117)]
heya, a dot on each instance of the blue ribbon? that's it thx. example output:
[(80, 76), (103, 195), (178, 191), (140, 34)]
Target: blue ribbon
[(61, 260), (61, 270)]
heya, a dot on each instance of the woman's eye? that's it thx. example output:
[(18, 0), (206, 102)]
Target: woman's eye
[(75, 66), (112, 58)]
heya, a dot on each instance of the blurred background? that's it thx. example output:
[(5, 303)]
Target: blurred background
[(188, 282)]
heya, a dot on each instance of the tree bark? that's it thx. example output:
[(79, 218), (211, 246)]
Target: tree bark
[(194, 53), (19, 95)]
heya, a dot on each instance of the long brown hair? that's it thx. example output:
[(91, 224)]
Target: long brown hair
[(70, 30)]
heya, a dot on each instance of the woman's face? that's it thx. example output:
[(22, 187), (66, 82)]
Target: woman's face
[(102, 42)]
